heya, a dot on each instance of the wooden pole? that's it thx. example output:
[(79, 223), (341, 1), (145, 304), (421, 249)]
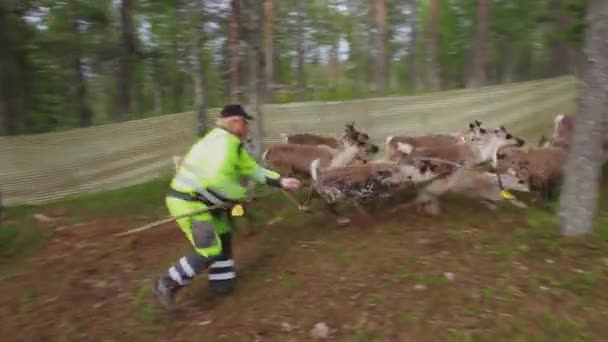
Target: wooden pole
[(163, 221)]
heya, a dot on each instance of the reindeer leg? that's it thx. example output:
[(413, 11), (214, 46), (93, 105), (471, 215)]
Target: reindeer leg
[(361, 209), (305, 205), (340, 220), (544, 195), (431, 207), (489, 204), (518, 204), (293, 200), (422, 198), (407, 205)]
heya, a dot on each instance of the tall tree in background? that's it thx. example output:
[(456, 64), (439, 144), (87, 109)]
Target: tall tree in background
[(234, 51), (579, 198), (196, 16), (331, 21), (269, 54), (561, 55), (83, 110), (381, 46), (127, 53), (412, 56), (480, 54), (300, 41), (433, 56), (11, 69), (252, 25), (130, 58)]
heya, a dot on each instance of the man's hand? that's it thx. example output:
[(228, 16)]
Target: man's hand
[(290, 183)]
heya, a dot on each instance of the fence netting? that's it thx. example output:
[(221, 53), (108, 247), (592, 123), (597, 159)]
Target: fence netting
[(44, 167)]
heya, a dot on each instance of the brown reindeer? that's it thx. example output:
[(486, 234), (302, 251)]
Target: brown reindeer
[(394, 144), (315, 139), (310, 139), (563, 133), (563, 130), (541, 167), (474, 183), (294, 159), (356, 183), (350, 133), (445, 165)]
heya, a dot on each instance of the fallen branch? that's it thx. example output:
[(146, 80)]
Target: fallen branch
[(165, 220), (70, 226)]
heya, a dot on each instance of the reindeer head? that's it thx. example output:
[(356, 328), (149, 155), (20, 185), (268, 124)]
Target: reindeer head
[(563, 127), (352, 133), (511, 180), (352, 137), (543, 141), (500, 137), (489, 141), (473, 133)]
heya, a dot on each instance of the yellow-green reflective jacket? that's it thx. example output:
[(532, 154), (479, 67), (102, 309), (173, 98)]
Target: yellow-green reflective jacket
[(214, 165)]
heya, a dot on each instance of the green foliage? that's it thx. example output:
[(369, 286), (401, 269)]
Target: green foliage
[(41, 53), (8, 235), (602, 230), (15, 242)]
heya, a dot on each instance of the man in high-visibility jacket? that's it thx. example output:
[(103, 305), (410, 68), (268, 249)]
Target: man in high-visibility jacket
[(209, 175)]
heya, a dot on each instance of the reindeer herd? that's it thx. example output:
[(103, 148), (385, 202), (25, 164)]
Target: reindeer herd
[(479, 162)]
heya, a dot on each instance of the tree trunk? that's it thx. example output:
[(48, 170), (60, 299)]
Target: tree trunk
[(127, 51), (560, 56), (412, 58), (510, 64), (83, 110), (234, 49), (253, 27), (333, 66), (10, 71), (381, 48), (196, 19), (197, 74), (580, 191), (158, 83), (433, 59), (257, 92), (480, 54), (301, 73), (368, 47), (269, 48), (158, 98), (180, 55)]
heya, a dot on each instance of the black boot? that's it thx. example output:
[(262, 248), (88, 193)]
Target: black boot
[(165, 289)]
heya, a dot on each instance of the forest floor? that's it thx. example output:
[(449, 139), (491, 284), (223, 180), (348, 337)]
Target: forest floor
[(469, 275)]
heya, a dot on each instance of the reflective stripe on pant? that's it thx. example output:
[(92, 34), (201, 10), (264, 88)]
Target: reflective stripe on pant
[(222, 274), (210, 237)]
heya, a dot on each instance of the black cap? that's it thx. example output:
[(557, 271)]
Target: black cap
[(234, 110)]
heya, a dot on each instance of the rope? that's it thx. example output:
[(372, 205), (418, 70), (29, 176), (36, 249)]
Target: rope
[(172, 218)]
